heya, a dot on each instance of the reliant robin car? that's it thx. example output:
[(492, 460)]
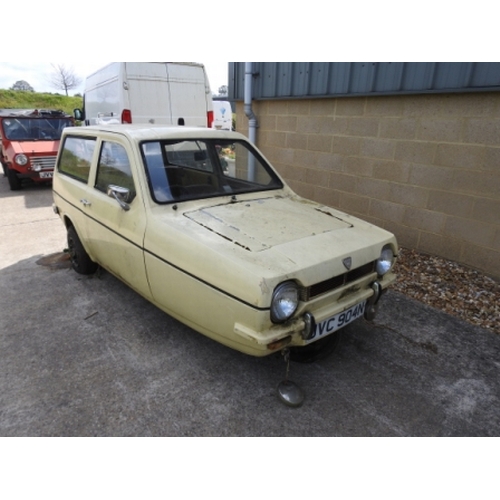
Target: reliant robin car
[(198, 222)]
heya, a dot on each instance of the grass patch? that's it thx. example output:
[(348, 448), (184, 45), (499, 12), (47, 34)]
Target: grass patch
[(20, 99)]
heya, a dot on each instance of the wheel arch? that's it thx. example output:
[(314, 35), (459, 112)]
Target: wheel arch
[(68, 223)]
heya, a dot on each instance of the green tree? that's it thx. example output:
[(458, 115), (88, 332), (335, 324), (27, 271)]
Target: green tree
[(22, 85)]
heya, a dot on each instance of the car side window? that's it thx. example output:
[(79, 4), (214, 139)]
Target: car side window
[(76, 157), (114, 169)]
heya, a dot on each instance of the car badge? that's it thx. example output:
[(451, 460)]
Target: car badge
[(347, 263)]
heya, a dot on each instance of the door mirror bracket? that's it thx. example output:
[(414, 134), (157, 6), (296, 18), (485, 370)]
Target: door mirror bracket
[(121, 195)]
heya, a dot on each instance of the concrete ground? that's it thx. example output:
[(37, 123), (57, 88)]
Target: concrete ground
[(84, 356)]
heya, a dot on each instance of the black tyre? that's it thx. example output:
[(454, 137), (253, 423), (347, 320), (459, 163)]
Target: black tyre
[(14, 181), (80, 260), (317, 350)]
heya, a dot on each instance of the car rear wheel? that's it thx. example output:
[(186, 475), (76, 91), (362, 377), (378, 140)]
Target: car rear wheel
[(80, 260), (317, 350)]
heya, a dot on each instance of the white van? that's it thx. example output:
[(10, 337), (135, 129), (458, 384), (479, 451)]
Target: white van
[(223, 115), (148, 92)]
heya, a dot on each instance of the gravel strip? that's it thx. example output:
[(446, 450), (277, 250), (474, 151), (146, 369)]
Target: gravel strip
[(450, 287)]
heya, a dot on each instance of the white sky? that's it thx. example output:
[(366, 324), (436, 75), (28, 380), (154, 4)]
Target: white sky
[(360, 31), (36, 74)]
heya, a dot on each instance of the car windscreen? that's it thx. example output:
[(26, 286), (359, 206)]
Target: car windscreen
[(192, 169), (34, 129)]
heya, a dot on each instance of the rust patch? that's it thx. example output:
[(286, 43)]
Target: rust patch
[(349, 291), (326, 212)]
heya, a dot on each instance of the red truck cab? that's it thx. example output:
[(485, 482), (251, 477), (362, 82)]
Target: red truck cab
[(29, 143)]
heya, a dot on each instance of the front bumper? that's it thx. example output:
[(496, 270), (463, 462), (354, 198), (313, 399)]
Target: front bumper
[(38, 168), (299, 331)]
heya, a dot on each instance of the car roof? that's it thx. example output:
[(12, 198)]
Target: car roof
[(143, 132), (32, 113)]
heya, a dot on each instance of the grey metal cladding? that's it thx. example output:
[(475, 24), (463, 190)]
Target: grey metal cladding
[(274, 80)]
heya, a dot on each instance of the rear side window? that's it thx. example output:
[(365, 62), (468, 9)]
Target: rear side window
[(76, 157), (114, 168)]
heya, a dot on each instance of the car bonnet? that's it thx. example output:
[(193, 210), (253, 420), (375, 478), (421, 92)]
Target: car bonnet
[(40, 146), (260, 224)]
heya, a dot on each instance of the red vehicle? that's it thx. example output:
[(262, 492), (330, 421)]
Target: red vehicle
[(29, 143)]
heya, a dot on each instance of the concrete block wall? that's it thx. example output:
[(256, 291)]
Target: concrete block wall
[(426, 167)]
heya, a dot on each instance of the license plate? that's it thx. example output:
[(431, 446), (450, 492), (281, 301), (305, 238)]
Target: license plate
[(45, 175), (338, 321)]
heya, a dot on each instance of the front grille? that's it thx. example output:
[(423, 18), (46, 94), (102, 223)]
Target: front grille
[(307, 293), (44, 162)]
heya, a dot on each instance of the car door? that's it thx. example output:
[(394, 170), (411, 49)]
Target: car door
[(117, 221)]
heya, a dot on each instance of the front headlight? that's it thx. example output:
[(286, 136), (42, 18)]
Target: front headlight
[(285, 301), (385, 261), (21, 159)]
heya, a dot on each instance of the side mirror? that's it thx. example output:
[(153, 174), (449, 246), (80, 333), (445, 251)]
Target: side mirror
[(78, 115), (121, 195)]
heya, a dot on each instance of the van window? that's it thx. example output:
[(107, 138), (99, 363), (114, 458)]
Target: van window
[(114, 169), (76, 157)]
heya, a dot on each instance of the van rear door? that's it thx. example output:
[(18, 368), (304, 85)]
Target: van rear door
[(191, 98), (148, 93)]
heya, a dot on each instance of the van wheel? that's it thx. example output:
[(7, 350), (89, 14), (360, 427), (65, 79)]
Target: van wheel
[(14, 181), (80, 260), (317, 350)]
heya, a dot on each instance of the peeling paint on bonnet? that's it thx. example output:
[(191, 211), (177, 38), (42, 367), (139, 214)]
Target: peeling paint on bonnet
[(261, 224)]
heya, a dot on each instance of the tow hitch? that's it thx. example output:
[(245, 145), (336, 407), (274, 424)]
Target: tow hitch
[(371, 304)]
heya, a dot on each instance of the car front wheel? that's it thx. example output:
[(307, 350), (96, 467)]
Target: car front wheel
[(80, 260), (14, 181)]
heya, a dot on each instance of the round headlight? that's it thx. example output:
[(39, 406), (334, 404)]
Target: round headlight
[(385, 261), (285, 301), (21, 159)]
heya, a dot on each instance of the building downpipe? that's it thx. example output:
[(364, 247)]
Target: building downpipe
[(252, 119)]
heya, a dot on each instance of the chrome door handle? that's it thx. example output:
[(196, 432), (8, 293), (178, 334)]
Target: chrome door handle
[(85, 203)]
